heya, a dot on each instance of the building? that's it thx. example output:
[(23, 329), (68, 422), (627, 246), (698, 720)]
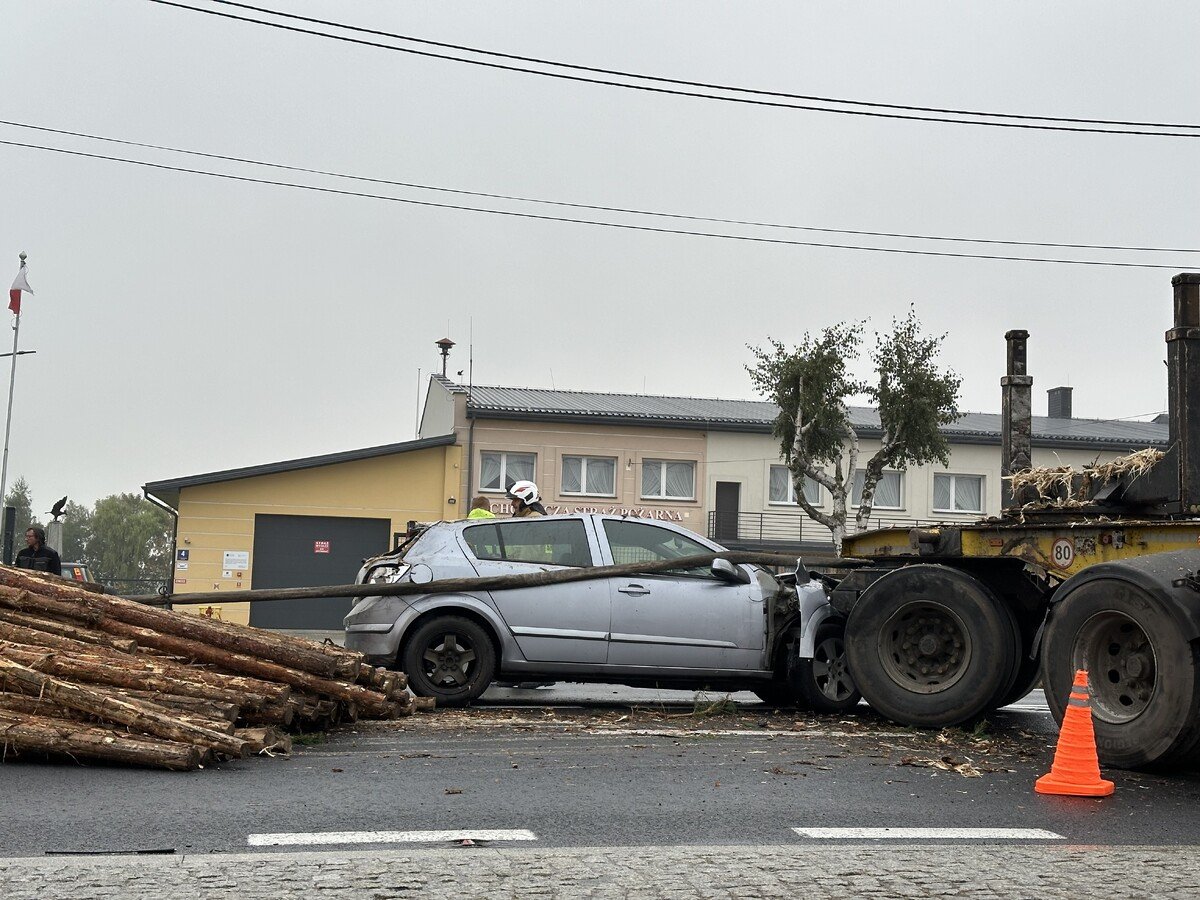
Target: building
[(303, 522), (711, 465)]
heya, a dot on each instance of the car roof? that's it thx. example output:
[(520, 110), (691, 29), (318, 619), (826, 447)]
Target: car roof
[(460, 524)]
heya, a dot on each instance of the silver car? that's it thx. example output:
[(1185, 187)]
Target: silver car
[(726, 627)]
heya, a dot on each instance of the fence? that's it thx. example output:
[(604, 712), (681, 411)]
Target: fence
[(785, 529)]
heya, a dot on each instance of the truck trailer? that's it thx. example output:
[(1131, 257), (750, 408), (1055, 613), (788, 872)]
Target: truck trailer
[(1100, 570)]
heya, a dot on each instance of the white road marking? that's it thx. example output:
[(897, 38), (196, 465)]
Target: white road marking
[(974, 834), (743, 732), (323, 838)]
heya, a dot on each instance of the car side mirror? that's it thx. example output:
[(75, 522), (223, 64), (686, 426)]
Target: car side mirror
[(728, 572)]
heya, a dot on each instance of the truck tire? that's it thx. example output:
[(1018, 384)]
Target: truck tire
[(824, 681), (931, 646), (450, 658), (1143, 673)]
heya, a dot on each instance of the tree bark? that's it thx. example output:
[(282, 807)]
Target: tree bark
[(308, 656), (63, 629), (136, 714), (149, 676), (42, 734), (205, 709)]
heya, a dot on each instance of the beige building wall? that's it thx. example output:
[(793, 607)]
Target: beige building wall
[(630, 447), (747, 458), (219, 518)]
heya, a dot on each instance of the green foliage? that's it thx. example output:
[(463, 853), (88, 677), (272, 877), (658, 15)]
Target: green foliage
[(814, 378), (130, 538), (21, 497), (77, 532), (915, 399)]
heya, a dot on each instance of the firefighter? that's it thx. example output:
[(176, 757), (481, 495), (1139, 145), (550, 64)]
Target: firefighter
[(526, 500)]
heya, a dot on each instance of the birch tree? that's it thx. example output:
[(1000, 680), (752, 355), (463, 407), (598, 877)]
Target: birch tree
[(812, 384)]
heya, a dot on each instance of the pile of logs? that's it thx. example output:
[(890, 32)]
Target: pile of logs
[(92, 676)]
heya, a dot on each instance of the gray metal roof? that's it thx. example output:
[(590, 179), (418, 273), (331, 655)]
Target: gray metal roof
[(168, 490), (490, 402)]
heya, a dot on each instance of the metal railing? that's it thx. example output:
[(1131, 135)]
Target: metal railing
[(788, 528)]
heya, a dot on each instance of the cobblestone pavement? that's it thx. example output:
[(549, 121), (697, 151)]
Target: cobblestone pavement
[(812, 871)]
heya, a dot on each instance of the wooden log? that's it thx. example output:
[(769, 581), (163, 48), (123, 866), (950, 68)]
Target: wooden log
[(296, 653), (266, 740), (75, 632), (199, 706), (497, 582), (227, 661), (142, 716), (30, 705), (41, 734), (425, 703), (171, 668), (21, 634), (280, 714), (102, 671)]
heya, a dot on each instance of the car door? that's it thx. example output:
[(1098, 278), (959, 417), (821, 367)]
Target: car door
[(687, 619), (553, 623)]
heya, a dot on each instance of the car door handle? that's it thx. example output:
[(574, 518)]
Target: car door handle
[(634, 590)]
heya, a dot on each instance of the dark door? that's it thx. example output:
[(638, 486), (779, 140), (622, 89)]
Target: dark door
[(725, 520), (307, 551)]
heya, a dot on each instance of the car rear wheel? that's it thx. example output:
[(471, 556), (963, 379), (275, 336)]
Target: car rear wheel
[(450, 658)]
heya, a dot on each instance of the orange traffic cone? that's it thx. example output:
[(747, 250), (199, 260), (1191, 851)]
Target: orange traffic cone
[(1076, 768)]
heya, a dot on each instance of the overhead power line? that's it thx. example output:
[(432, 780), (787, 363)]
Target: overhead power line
[(753, 98), (594, 222), (688, 83), (589, 206)]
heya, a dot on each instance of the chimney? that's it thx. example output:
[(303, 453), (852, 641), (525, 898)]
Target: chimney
[(1016, 418), (1183, 388), (1060, 403)]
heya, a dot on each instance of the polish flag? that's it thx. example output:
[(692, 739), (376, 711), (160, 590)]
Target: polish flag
[(14, 294)]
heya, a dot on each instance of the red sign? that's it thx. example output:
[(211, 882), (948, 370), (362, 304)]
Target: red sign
[(320, 546)]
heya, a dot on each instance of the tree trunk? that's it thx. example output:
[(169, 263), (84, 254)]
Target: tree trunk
[(197, 706), (41, 734), (266, 740), (74, 632), (308, 656), (136, 714), (148, 676)]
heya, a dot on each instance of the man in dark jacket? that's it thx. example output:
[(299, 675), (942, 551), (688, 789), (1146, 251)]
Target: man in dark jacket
[(36, 554)]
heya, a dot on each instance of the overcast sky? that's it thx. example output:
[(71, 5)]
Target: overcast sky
[(186, 324)]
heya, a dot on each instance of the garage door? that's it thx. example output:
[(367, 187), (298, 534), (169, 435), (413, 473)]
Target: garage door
[(307, 551)]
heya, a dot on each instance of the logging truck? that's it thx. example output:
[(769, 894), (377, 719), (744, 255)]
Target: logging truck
[(1095, 570)]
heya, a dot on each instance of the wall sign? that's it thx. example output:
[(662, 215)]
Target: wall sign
[(182, 555), (320, 546), (235, 559)]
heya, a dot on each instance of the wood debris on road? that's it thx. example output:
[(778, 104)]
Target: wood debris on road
[(86, 675)]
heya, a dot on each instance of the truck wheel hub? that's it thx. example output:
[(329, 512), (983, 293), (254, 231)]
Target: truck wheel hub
[(1121, 666), (924, 647)]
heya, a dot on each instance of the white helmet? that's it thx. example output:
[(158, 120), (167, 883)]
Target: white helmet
[(525, 491)]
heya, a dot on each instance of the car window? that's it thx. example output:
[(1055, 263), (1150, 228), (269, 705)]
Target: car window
[(634, 542), (557, 542)]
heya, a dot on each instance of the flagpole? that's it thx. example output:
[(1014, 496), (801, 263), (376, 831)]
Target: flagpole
[(12, 382)]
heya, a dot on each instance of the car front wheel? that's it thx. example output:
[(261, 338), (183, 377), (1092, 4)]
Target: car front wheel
[(450, 658)]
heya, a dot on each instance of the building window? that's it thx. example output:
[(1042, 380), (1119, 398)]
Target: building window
[(889, 491), (596, 475), (958, 493), (555, 542), (783, 490), (498, 470), (667, 479)]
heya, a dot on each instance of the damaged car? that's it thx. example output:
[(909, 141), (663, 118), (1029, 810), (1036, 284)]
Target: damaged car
[(723, 627)]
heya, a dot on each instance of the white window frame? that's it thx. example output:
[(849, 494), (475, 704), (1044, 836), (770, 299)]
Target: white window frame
[(952, 476), (583, 475), (791, 491), (662, 478), (874, 506), (503, 454)]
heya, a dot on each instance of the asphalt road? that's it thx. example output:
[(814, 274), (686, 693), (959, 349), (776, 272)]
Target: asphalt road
[(575, 770)]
